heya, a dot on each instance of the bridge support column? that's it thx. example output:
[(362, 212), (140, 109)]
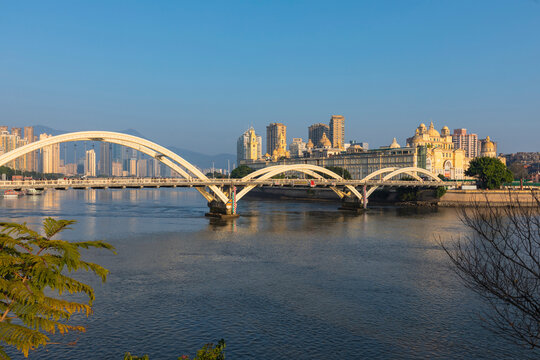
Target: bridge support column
[(353, 204), (220, 210)]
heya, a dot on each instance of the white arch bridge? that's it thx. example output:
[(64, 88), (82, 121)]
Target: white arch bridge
[(221, 194)]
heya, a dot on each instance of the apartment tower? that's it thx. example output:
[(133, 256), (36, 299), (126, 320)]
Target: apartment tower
[(274, 133), (337, 131), (316, 131), (467, 142)]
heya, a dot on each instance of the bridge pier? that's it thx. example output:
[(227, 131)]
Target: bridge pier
[(220, 210), (352, 204)]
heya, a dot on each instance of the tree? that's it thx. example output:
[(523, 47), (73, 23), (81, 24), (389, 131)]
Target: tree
[(32, 276), (518, 170), (500, 261), (491, 172), (344, 173), (208, 352), (215, 175), (241, 171)]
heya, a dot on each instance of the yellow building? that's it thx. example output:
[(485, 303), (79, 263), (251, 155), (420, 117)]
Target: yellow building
[(441, 157), (249, 146), (280, 151), (488, 148)]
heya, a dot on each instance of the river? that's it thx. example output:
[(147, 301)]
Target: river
[(286, 280)]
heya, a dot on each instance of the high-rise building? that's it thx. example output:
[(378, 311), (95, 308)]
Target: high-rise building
[(467, 142), (8, 142), (90, 163), (337, 131), (16, 131), (116, 152), (316, 131), (249, 146), (3, 128), (133, 167), (297, 147), (31, 163), (157, 168), (142, 168), (105, 159), (117, 168), (50, 157), (273, 132)]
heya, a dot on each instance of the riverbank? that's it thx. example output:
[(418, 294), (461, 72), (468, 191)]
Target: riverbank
[(452, 198)]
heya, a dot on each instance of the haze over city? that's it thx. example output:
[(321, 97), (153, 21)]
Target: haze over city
[(196, 75)]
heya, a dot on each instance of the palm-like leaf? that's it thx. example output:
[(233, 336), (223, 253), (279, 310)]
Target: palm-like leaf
[(32, 264)]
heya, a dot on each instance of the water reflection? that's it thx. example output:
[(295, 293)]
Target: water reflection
[(295, 280)]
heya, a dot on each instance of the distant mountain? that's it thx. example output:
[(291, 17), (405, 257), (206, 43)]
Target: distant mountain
[(204, 161), (41, 129), (220, 161)]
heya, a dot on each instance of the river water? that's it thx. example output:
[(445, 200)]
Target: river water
[(287, 280)]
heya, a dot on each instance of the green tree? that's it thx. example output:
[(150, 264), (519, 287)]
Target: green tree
[(241, 171), (32, 277), (208, 352), (518, 170), (215, 175), (35, 175), (344, 173), (491, 172)]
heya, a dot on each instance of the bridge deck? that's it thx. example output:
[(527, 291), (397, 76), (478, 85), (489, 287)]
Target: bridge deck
[(122, 183)]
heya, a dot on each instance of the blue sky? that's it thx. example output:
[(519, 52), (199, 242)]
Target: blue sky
[(196, 74)]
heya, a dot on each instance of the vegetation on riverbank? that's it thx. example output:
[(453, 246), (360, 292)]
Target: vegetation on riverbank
[(33, 174), (208, 352)]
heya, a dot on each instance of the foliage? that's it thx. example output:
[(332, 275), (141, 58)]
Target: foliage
[(216, 175), (442, 177), (32, 276), (344, 173), (208, 352), (500, 261), (441, 190), (34, 175), (407, 194), (518, 170), (491, 172), (241, 171)]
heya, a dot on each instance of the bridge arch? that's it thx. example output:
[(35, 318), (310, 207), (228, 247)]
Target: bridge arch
[(162, 154), (407, 170), (389, 170), (312, 170)]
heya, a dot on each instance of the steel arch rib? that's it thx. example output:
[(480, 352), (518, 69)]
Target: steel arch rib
[(379, 172), (114, 137), (270, 171), (408, 170)]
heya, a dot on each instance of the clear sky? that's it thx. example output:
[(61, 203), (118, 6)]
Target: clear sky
[(196, 74)]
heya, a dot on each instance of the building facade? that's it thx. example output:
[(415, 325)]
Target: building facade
[(90, 163), (316, 131), (297, 147), (276, 134), (442, 158), (249, 146), (337, 131), (31, 161), (105, 159), (488, 148), (359, 164), (467, 142), (50, 163)]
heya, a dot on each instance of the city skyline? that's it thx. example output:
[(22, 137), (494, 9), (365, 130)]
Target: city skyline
[(181, 72)]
